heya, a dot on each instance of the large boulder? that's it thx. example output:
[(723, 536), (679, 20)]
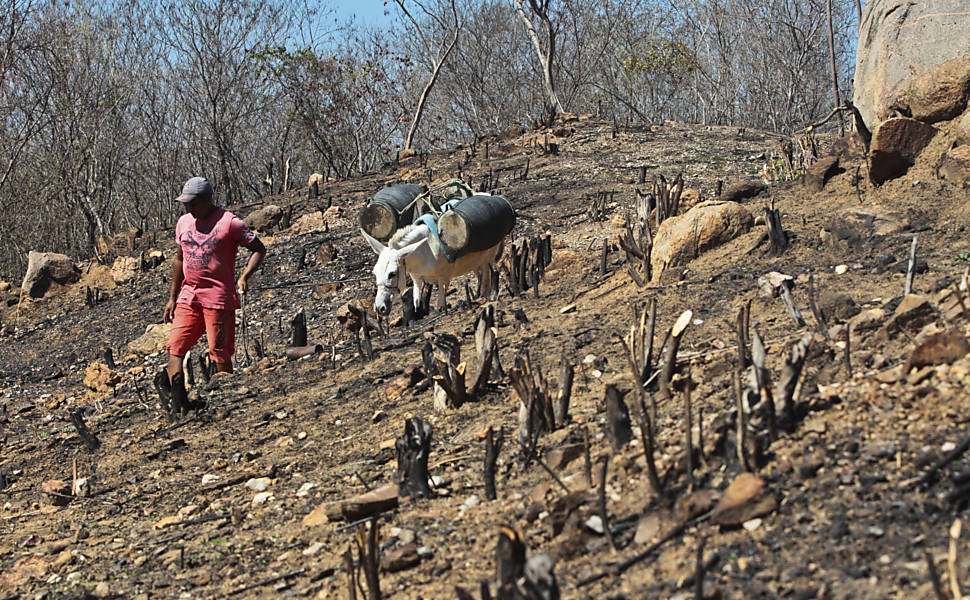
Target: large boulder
[(264, 219), (45, 269), (900, 39), (939, 94), (683, 238), (895, 145)]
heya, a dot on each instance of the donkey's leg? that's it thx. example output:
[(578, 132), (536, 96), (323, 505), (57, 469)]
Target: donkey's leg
[(487, 282)]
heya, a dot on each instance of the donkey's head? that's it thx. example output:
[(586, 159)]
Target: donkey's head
[(389, 272)]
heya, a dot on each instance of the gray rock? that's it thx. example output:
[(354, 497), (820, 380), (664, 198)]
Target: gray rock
[(899, 39), (265, 218), (44, 269)]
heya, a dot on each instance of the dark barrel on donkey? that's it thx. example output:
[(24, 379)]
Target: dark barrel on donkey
[(390, 209), (476, 223)]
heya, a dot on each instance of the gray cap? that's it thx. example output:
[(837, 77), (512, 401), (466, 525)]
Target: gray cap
[(197, 187)]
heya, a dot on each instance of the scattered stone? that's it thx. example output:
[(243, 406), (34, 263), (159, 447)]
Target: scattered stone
[(942, 348), (841, 269), (99, 378), (371, 503), (683, 238), (264, 219), (400, 558), (741, 190), (262, 498), (752, 524), (472, 500), (694, 504), (867, 320), (559, 457), (913, 312), (650, 526), (166, 521), (595, 524), (333, 214), (313, 549), (858, 225), (58, 491), (45, 269), (770, 284), (817, 175), (895, 145), (125, 268), (838, 306), (210, 478), (746, 498), (153, 340), (307, 223), (326, 253), (260, 484)]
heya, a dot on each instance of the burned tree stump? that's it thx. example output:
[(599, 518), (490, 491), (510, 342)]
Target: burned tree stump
[(493, 446), (442, 366), (763, 383), (617, 417), (790, 377), (564, 393), (109, 358), (776, 234), (91, 441), (413, 449), (667, 196), (637, 242), (670, 352), (536, 413), (298, 324)]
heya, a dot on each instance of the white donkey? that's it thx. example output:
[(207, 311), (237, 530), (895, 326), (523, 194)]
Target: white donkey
[(414, 251)]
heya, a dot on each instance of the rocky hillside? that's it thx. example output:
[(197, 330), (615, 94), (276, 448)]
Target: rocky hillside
[(849, 490)]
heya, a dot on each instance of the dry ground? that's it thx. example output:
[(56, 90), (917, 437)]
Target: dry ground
[(850, 524)]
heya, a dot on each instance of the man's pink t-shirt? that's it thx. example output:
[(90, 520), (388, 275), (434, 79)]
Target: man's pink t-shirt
[(209, 248)]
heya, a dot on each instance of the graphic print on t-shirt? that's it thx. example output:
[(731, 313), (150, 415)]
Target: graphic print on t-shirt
[(197, 248)]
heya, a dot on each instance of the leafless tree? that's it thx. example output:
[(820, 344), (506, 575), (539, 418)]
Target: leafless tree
[(436, 55), (538, 19)]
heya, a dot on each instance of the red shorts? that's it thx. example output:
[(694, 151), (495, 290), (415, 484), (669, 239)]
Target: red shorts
[(191, 320)]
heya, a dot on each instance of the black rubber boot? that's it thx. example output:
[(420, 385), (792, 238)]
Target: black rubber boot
[(164, 389), (180, 398)]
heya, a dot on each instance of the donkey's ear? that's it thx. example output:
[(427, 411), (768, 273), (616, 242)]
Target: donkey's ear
[(412, 247), (374, 243)]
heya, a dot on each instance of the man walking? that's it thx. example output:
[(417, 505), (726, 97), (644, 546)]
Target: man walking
[(203, 297)]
